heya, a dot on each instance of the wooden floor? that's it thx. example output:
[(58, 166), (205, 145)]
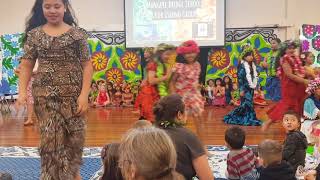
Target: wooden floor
[(108, 125)]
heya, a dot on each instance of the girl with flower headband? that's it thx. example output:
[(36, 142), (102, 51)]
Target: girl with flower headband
[(271, 63), (185, 80), (247, 80), (293, 84), (148, 94)]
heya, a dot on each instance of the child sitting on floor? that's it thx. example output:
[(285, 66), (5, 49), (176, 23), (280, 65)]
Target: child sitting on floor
[(295, 145), (258, 98), (241, 162), (235, 95), (270, 155), (219, 93), (209, 92)]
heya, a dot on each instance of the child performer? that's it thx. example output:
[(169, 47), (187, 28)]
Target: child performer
[(148, 94), (271, 63), (185, 80), (248, 80), (293, 84)]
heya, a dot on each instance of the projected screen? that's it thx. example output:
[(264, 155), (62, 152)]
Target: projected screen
[(150, 22)]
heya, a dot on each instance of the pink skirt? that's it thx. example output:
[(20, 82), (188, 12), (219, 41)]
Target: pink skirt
[(219, 101)]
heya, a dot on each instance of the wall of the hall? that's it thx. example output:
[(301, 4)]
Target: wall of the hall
[(108, 14)]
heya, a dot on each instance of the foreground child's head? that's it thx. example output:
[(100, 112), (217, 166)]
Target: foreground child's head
[(270, 152), (291, 121), (235, 137)]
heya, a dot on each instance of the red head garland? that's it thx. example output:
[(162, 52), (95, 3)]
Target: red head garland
[(188, 47)]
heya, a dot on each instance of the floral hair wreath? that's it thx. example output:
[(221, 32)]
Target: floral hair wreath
[(188, 47), (313, 85), (246, 48), (164, 47)]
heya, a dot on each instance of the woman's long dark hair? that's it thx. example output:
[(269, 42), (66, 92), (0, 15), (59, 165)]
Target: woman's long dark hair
[(36, 17), (167, 109)]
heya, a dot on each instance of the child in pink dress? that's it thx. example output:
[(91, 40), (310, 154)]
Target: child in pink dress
[(219, 93)]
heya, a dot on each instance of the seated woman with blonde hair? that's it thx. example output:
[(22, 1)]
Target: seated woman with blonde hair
[(148, 154)]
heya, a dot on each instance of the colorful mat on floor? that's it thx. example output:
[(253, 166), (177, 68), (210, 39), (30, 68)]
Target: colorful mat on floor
[(24, 162)]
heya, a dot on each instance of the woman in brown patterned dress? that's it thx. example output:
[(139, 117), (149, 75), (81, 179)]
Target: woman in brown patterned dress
[(60, 88)]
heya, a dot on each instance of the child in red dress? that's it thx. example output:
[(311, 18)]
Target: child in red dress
[(293, 84), (148, 94)]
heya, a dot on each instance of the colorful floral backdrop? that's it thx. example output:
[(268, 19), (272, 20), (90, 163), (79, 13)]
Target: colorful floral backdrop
[(114, 63), (11, 48), (310, 36), (224, 61)]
